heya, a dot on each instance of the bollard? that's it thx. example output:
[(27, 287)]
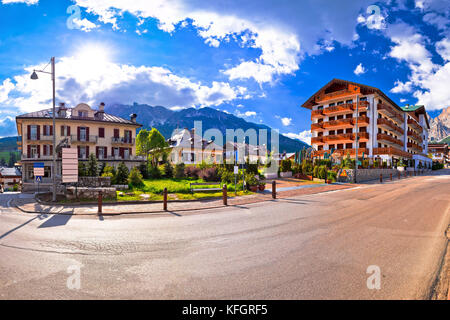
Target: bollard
[(274, 190), (399, 175), (165, 199), (100, 200), (410, 173), (225, 195), (391, 176), (381, 178)]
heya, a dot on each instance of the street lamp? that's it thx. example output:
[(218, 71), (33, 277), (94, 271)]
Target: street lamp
[(357, 139), (34, 76)]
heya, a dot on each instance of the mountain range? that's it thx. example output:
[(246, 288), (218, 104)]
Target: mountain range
[(166, 121), (440, 126)]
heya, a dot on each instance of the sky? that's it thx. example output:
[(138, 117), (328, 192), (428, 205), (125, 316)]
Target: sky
[(259, 60)]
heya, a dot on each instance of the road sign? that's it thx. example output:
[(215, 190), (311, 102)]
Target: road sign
[(343, 173), (38, 179), (38, 169), (236, 170), (69, 165)]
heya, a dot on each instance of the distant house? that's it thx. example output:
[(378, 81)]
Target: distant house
[(252, 152), (9, 177), (439, 152), (189, 148)]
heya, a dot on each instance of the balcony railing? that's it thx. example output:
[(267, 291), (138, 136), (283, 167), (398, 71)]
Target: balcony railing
[(413, 123), (388, 138), (342, 108), (390, 111), (36, 157), (415, 136), (338, 123), (317, 139), (84, 139), (391, 125), (41, 138), (391, 151), (339, 137), (316, 113), (361, 136), (414, 146), (362, 121), (342, 152), (122, 140), (316, 126)]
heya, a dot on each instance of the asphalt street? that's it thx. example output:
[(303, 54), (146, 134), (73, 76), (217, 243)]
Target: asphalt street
[(306, 247)]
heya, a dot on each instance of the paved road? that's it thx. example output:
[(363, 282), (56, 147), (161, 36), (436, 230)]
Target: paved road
[(315, 246)]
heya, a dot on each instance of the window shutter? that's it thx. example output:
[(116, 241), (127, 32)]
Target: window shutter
[(28, 132), (116, 133), (79, 152), (121, 152), (51, 130), (39, 151), (51, 150), (129, 150), (38, 129), (87, 151), (78, 133), (62, 131), (68, 131), (87, 134), (28, 151), (101, 132), (105, 151), (96, 152), (44, 151)]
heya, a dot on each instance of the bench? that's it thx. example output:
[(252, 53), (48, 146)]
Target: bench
[(197, 186)]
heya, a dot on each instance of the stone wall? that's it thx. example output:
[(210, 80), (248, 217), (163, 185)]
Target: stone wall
[(94, 182), (365, 174), (74, 193)]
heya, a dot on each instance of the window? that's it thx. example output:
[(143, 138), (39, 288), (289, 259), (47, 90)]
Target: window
[(363, 129), (340, 102), (33, 134), (101, 152), (83, 153), (116, 152), (363, 99), (127, 136), (349, 115), (349, 101), (126, 153), (348, 146), (331, 118), (340, 117), (101, 132), (82, 134), (82, 114), (362, 145), (320, 108), (349, 130), (33, 152), (331, 104), (340, 131), (332, 132), (47, 130)]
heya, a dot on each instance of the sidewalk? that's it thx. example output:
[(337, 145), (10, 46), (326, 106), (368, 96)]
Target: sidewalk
[(31, 206)]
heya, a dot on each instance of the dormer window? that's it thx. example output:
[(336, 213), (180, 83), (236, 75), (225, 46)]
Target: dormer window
[(82, 114)]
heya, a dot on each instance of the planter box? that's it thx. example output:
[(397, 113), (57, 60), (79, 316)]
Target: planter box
[(286, 174), (270, 175), (319, 180), (401, 169)]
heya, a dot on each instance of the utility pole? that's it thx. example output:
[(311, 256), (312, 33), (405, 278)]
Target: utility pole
[(54, 132)]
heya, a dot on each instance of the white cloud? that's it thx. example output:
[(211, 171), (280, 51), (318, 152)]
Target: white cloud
[(403, 100), (95, 80), (282, 33), (304, 136), (401, 87), (7, 127), (359, 69), (443, 49), (286, 121), (28, 2), (84, 25), (246, 114)]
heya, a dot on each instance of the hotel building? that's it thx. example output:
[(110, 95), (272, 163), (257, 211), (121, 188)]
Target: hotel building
[(376, 125), (111, 139)]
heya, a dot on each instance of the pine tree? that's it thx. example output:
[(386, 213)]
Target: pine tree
[(122, 174), (92, 166)]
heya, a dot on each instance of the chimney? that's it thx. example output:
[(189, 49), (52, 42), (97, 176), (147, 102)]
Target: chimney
[(62, 109), (62, 105), (133, 117), (101, 107)]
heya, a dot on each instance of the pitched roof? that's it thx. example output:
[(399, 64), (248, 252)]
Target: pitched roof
[(365, 89), (47, 114), (420, 109)]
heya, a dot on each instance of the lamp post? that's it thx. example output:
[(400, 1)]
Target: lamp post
[(34, 76), (357, 139)]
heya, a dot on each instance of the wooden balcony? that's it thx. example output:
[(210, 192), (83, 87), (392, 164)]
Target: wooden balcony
[(342, 137), (415, 125), (392, 152), (414, 146), (339, 123), (389, 125), (339, 109), (352, 152), (317, 126), (317, 140), (362, 121), (122, 140), (316, 113), (362, 106), (389, 139), (415, 136), (362, 136), (390, 111)]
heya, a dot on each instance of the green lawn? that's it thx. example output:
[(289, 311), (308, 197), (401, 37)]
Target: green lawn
[(6, 154)]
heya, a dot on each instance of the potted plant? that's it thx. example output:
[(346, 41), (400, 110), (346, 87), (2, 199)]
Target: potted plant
[(262, 186), (252, 182), (286, 167)]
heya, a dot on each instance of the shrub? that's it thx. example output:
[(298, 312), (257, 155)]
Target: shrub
[(316, 172), (307, 167), (192, 172), (251, 180), (122, 174), (135, 178), (331, 175), (296, 168), (82, 172), (437, 166), (16, 187), (144, 170), (154, 172), (365, 163), (168, 170), (179, 171), (286, 165), (209, 174), (92, 166), (322, 172)]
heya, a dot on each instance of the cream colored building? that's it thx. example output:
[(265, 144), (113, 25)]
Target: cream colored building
[(110, 138)]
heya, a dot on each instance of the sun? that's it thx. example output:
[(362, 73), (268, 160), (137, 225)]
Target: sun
[(93, 56)]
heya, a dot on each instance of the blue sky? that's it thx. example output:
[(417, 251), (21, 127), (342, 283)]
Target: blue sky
[(259, 60)]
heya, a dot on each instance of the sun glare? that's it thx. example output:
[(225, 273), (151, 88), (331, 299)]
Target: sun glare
[(93, 56)]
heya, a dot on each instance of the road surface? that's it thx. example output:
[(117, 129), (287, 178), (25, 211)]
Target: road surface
[(306, 247)]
